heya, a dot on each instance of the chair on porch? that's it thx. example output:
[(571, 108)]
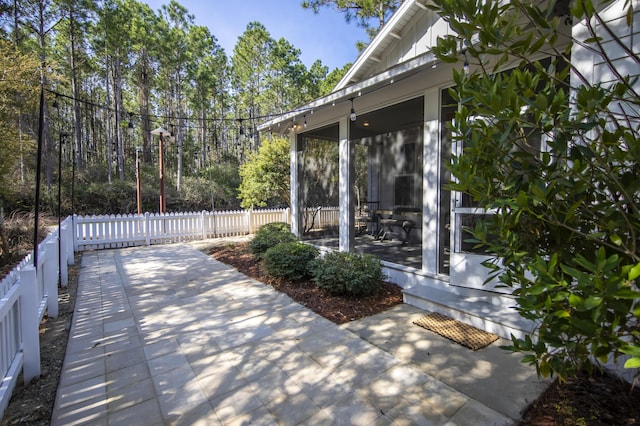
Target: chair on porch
[(366, 220)]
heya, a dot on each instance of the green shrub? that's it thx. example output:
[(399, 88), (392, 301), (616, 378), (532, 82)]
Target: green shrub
[(270, 235), (275, 227), (289, 260), (348, 274)]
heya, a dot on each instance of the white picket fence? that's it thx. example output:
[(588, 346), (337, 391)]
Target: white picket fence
[(26, 293), (116, 231)]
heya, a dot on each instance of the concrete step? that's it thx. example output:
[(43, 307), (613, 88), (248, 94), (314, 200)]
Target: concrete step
[(492, 312)]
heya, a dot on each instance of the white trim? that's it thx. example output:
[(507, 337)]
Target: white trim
[(390, 29)]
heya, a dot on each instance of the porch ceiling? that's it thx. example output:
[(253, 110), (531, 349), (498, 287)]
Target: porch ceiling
[(404, 115)]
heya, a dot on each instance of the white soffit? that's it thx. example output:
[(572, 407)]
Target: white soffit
[(391, 32)]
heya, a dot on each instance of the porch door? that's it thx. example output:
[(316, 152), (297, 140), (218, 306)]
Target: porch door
[(466, 269)]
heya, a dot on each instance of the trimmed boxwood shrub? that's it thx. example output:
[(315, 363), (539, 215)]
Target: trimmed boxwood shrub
[(289, 260), (348, 274), (270, 235)]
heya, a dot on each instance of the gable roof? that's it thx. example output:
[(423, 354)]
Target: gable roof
[(384, 61), (390, 32)]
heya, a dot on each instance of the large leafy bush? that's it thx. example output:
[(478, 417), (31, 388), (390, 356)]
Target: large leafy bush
[(348, 274), (566, 227), (289, 260), (270, 235)]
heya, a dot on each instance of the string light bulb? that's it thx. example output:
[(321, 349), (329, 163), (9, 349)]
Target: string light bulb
[(353, 115), (465, 65)]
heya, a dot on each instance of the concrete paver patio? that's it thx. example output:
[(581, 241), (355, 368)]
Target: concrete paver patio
[(166, 335)]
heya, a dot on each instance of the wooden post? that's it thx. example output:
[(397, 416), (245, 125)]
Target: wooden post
[(30, 323)]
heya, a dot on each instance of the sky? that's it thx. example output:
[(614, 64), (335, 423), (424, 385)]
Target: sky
[(325, 36)]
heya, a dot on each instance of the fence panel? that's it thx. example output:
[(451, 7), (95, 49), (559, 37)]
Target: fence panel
[(262, 217), (26, 293), (98, 232), (11, 358), (322, 217)]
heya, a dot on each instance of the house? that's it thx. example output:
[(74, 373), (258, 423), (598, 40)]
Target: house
[(389, 112)]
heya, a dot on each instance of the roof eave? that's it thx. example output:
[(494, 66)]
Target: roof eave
[(366, 86), (388, 30)]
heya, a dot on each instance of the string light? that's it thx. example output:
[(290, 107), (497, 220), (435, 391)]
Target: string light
[(465, 65), (353, 115), (167, 118)]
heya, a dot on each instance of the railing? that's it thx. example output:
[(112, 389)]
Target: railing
[(25, 294)]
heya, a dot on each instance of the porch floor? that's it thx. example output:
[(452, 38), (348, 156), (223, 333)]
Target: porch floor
[(393, 251)]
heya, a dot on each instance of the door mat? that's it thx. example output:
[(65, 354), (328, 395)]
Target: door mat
[(459, 332)]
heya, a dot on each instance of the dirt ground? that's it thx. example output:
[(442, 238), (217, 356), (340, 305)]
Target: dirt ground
[(600, 400)]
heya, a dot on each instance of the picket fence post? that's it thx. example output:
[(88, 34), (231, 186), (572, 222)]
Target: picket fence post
[(50, 271), (248, 216), (63, 256), (71, 237), (75, 234), (203, 220), (147, 228), (30, 323)]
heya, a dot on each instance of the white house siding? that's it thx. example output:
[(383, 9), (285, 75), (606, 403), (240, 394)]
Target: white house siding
[(593, 66), (414, 41)]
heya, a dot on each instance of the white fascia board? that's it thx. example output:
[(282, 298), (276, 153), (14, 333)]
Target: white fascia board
[(387, 31), (359, 89)]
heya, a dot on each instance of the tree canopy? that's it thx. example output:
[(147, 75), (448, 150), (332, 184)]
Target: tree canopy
[(368, 14), (113, 71), (265, 175)]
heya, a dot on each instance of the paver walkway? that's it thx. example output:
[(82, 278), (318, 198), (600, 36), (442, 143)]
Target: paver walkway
[(167, 335)]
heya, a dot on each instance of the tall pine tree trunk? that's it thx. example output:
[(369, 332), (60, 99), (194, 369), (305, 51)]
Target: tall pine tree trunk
[(144, 94), (77, 128)]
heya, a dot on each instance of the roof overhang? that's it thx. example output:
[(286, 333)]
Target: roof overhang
[(389, 33), (372, 84)]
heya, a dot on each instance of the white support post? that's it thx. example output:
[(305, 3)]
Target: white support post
[(248, 216), (51, 278), (30, 323), (347, 173)]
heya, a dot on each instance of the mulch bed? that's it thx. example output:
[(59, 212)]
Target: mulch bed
[(340, 310), (602, 399)]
